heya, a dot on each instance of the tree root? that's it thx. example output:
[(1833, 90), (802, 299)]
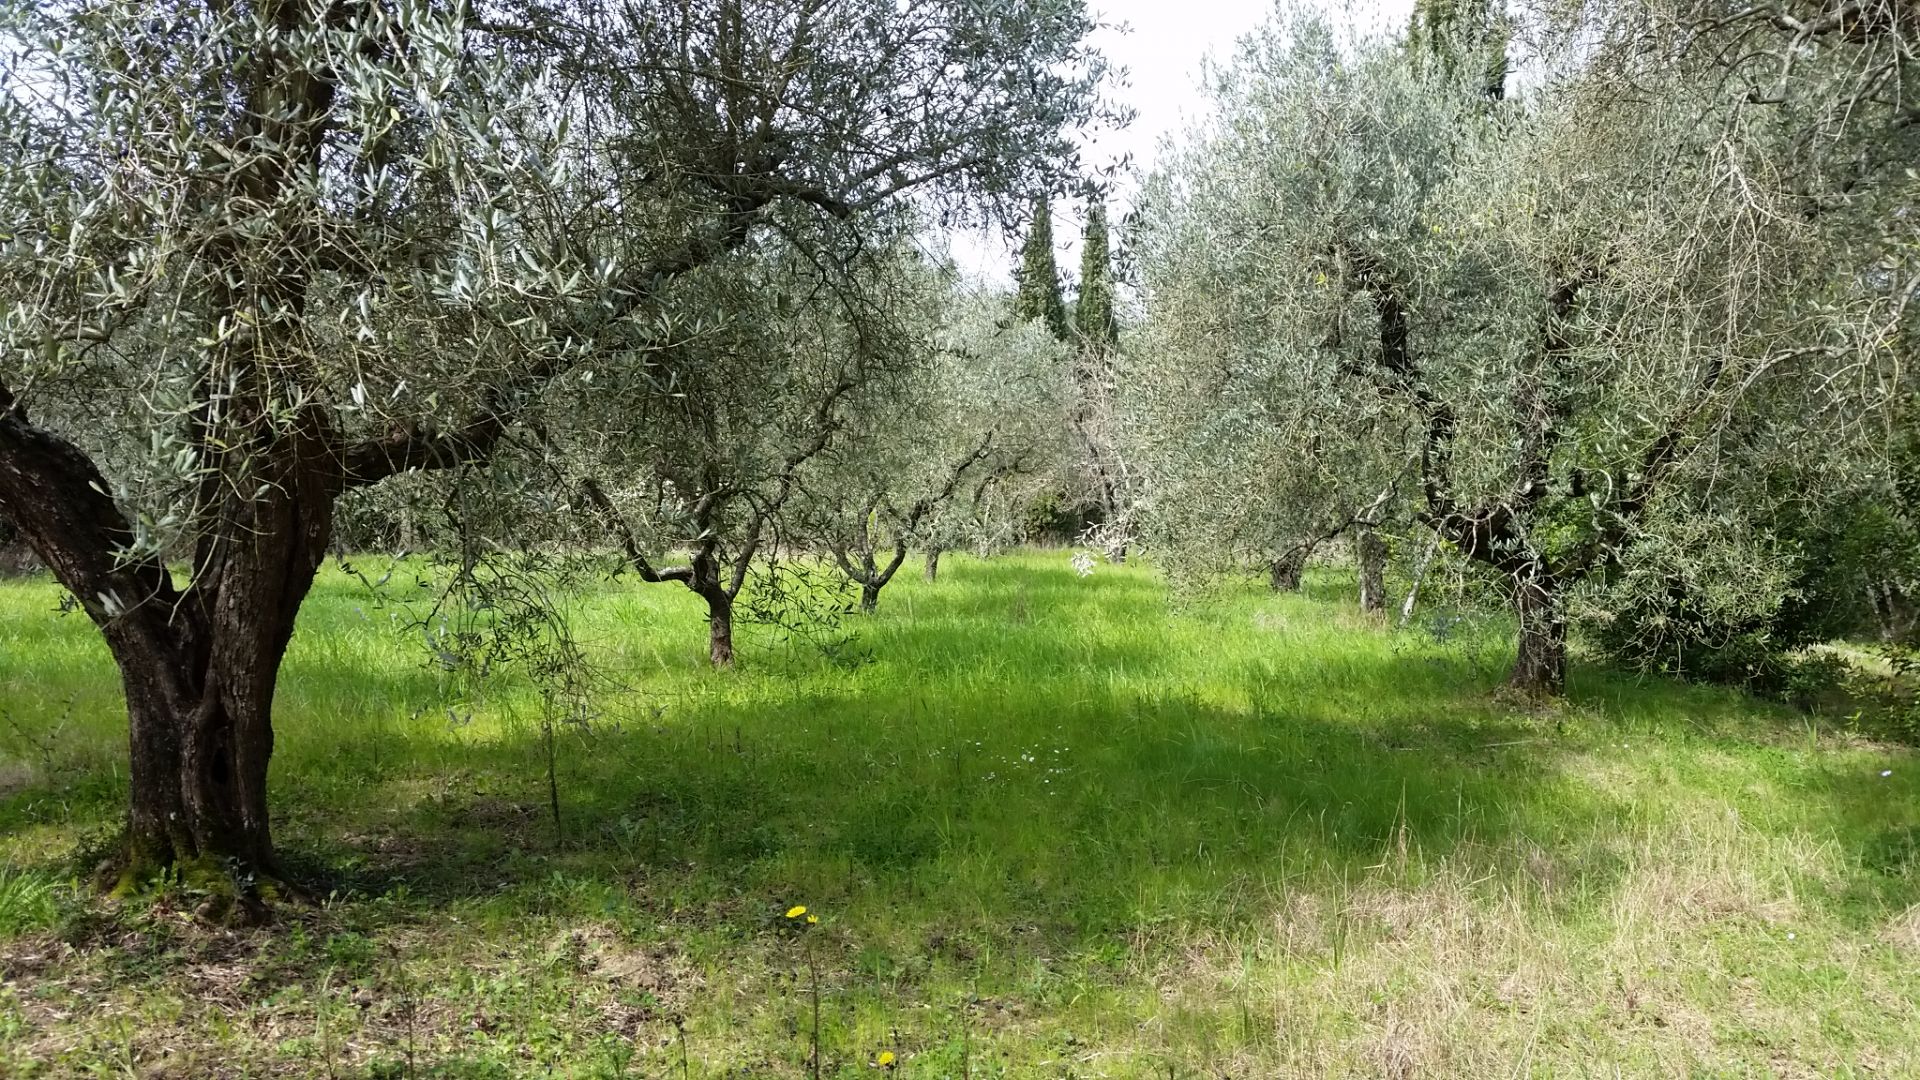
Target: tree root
[(231, 893)]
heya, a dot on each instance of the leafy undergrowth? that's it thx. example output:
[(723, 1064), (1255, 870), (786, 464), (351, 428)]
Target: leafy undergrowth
[(1052, 826)]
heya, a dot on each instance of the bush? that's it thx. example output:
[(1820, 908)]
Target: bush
[(1741, 600), (1054, 519), (1673, 635)]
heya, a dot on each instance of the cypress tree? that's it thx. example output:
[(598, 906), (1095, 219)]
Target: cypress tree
[(1094, 312), (1038, 278)]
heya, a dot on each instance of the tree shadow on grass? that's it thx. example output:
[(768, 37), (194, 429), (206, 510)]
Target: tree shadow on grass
[(1083, 804), (1870, 802), (1029, 747), (1028, 741)]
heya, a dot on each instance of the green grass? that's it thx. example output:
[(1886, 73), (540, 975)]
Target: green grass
[(1052, 826)]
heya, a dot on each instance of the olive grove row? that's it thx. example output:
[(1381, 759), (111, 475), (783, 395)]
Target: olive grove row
[(1609, 305)]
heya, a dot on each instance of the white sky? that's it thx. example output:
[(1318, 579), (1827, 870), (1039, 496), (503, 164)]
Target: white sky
[(1160, 44)]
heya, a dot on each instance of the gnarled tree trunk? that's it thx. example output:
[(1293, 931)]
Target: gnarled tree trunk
[(198, 664), (719, 626), (1540, 668), (932, 570), (1284, 573), (1498, 535), (201, 703), (1371, 553), (200, 728)]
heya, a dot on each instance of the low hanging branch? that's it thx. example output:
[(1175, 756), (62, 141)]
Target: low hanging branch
[(1365, 517), (636, 558), (419, 446)]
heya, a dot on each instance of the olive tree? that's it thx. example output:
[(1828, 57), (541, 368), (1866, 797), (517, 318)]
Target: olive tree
[(260, 254), (1833, 85), (984, 406), (1240, 469), (1571, 299), (1242, 466), (713, 466)]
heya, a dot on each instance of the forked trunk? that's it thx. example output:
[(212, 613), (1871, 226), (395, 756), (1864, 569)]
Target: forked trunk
[(933, 564), (197, 772), (1371, 553), (200, 682), (198, 664), (1540, 669)]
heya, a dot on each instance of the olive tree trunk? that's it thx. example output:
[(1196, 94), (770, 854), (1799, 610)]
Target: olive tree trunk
[(1540, 668), (1371, 553), (1284, 573), (200, 704), (719, 627), (862, 567), (199, 663)]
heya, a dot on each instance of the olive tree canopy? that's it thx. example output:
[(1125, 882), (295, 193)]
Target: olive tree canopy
[(259, 254), (1574, 301)]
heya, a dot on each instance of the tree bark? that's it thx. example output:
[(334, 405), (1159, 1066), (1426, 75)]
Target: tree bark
[(1371, 553), (200, 729), (1540, 669), (1419, 579), (1284, 573), (198, 664), (869, 596), (933, 564), (719, 627), (253, 573)]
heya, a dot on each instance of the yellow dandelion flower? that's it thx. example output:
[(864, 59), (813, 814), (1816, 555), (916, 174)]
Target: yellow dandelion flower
[(813, 920), (885, 1059), (796, 911)]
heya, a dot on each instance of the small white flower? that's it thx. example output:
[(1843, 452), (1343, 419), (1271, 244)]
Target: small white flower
[(1884, 773)]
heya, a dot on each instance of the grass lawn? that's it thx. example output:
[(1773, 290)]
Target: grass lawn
[(1051, 827)]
